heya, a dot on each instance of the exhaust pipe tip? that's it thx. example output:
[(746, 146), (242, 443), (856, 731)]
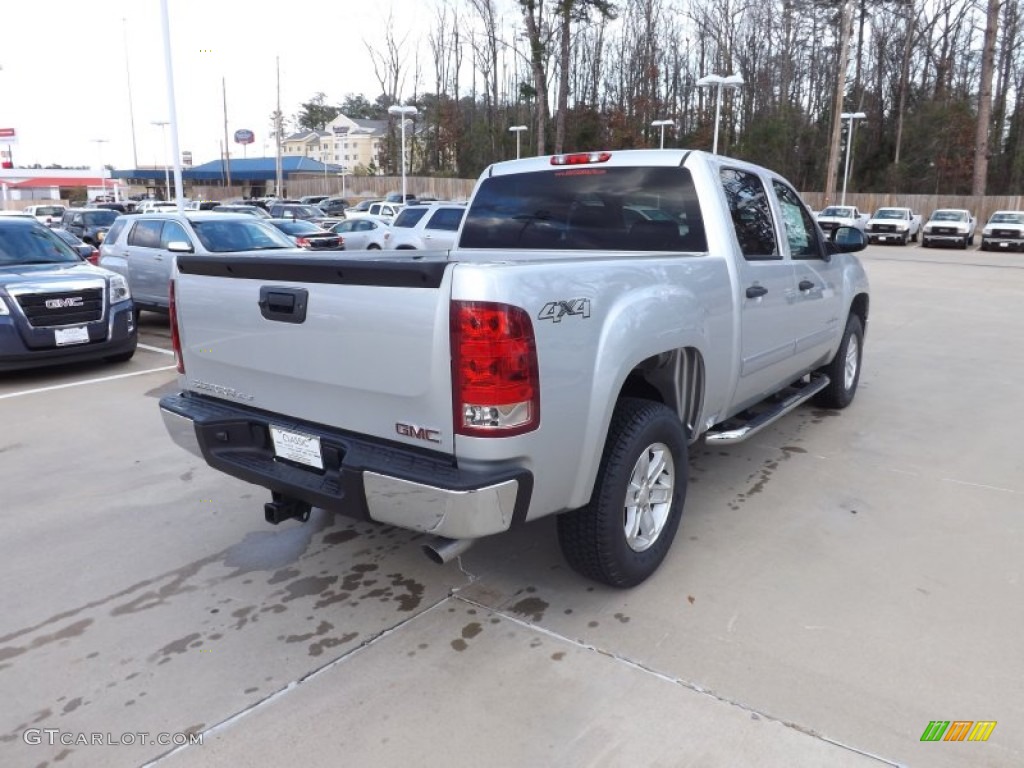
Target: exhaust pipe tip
[(442, 550)]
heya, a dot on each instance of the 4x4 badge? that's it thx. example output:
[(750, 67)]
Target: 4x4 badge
[(556, 310)]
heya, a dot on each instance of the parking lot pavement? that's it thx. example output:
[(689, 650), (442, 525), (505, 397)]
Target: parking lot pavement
[(839, 582)]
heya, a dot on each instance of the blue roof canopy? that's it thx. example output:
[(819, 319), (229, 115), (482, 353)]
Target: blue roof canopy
[(242, 169)]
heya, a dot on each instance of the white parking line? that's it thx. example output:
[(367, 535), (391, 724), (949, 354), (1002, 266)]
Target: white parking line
[(150, 348), (87, 381)]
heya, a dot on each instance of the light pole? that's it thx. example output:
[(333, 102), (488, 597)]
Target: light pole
[(103, 171), (849, 116), (517, 130), (343, 174), (719, 82), (167, 173), (661, 124), (402, 112)]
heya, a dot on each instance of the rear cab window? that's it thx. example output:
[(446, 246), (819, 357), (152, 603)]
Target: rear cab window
[(410, 217), (609, 208)]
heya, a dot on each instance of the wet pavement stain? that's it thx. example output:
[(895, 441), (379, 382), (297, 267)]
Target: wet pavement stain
[(330, 599), (72, 705), (471, 630), (317, 648), (323, 629), (176, 647), (307, 587), (622, 618), (459, 644), (268, 550), (558, 655), (242, 614), (532, 608), (340, 537), (284, 574), (411, 600), (70, 631), (186, 476)]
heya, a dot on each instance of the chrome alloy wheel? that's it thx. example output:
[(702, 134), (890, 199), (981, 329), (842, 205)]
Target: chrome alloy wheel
[(852, 361), (649, 496)]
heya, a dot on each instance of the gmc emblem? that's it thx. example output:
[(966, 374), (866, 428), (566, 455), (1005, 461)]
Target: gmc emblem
[(73, 301), (418, 433)]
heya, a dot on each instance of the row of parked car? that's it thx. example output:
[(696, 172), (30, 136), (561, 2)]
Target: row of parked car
[(94, 271), (946, 226)]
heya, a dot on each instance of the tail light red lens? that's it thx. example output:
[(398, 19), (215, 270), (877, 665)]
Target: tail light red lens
[(581, 158), (302, 242), (175, 339), (496, 386), (93, 257)]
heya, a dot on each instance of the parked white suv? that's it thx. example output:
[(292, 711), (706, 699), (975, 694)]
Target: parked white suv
[(419, 227)]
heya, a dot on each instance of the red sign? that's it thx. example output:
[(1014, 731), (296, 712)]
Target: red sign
[(8, 136)]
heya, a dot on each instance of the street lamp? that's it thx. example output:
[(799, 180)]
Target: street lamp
[(661, 124), (343, 174), (167, 174), (402, 112), (103, 171), (518, 131), (719, 82), (850, 116)]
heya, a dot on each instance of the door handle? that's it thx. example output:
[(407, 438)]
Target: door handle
[(284, 305), (756, 291), (806, 285)]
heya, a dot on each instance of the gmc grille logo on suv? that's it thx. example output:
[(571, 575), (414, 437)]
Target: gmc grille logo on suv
[(73, 301)]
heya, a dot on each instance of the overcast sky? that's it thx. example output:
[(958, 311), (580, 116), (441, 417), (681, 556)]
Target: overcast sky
[(64, 82)]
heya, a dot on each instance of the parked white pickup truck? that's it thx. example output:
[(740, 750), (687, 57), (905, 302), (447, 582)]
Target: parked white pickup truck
[(949, 225), (835, 216), (893, 225), (558, 360), (1004, 232)]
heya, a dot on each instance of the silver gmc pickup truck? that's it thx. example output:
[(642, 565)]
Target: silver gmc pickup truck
[(600, 312)]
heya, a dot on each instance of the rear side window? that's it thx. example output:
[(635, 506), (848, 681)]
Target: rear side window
[(616, 208), (446, 219), (751, 214), (410, 216), (115, 230), (146, 233)]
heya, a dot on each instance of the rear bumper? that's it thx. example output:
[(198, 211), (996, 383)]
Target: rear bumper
[(362, 477)]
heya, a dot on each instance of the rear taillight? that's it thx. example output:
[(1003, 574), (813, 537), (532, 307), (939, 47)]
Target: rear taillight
[(175, 338), (94, 257), (496, 388), (302, 242)]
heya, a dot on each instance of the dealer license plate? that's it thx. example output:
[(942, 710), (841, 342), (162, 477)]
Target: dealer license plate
[(297, 447), (65, 336)]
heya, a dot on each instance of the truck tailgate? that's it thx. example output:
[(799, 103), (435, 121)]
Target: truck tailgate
[(355, 344)]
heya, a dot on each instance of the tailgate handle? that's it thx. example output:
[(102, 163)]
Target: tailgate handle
[(284, 305)]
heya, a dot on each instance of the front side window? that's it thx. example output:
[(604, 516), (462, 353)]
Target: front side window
[(751, 214), (173, 232), (587, 208), (801, 232)]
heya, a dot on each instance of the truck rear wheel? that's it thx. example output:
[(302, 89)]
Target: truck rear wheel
[(623, 534), (844, 370)]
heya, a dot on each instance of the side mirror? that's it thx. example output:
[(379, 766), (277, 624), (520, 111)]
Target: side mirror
[(179, 246), (848, 240)]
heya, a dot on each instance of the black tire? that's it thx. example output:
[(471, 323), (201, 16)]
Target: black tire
[(914, 238), (970, 240), (594, 539), (903, 241), (842, 384), (373, 247), (963, 245)]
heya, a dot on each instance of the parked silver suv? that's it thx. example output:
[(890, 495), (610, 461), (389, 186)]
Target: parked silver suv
[(142, 248), (435, 225)]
